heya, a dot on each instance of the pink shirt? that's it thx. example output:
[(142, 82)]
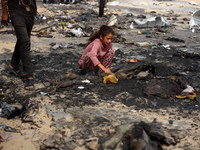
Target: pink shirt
[(94, 51)]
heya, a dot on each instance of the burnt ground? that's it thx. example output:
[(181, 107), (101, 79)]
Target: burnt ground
[(54, 61), (183, 62)]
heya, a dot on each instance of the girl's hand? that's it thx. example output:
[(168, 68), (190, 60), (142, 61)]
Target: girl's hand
[(107, 71)]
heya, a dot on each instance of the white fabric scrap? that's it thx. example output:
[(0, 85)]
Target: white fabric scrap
[(189, 89), (133, 110), (86, 81), (167, 46), (81, 87)]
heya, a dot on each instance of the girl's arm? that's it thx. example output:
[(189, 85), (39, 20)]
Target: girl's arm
[(106, 70)]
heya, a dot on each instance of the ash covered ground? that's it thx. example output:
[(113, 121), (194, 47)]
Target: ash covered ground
[(92, 113)]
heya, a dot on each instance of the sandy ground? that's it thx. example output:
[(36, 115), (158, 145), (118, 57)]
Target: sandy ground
[(16, 141), (148, 6)]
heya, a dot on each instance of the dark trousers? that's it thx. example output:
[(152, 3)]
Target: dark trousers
[(101, 8), (23, 26)]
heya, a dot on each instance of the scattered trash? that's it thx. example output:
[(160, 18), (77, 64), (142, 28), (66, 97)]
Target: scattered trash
[(112, 21), (173, 46), (86, 81), (115, 48), (77, 32), (7, 128), (114, 3), (190, 96), (189, 93), (140, 135), (186, 19), (145, 32), (9, 111), (6, 138), (44, 18), (142, 44), (62, 45), (69, 25), (110, 79), (81, 87), (189, 89), (7, 32), (133, 110), (141, 16), (132, 60), (53, 29), (131, 25), (173, 39), (5, 50), (62, 23), (185, 54), (151, 22), (83, 18), (193, 3), (45, 36), (43, 93), (195, 20), (146, 79), (56, 46), (153, 47)]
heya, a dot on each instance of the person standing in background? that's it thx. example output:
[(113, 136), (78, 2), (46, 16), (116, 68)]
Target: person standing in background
[(21, 13), (102, 4)]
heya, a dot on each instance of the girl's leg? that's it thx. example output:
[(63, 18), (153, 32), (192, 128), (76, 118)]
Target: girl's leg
[(106, 61), (87, 64)]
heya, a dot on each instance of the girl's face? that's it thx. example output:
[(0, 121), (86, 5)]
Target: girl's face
[(106, 39)]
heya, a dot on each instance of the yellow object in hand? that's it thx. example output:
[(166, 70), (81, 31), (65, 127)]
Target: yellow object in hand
[(110, 79)]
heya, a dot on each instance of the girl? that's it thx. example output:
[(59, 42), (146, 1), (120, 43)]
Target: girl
[(98, 54)]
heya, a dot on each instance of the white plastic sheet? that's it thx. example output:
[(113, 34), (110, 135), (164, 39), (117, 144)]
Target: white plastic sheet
[(112, 20), (77, 32), (195, 20), (193, 3), (114, 3), (151, 22)]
